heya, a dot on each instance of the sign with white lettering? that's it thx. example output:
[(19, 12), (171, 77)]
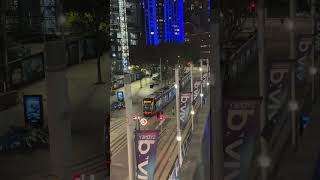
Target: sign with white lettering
[(185, 104), (196, 89), (146, 150), (241, 128), (279, 85), (304, 47)]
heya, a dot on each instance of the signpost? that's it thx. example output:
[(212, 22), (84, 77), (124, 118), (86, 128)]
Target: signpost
[(33, 110)]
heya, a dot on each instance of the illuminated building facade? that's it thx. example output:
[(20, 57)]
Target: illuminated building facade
[(163, 21)]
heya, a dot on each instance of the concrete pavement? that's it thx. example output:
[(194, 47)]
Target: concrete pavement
[(87, 106)]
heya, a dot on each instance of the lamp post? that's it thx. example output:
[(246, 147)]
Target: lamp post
[(293, 56), (179, 138), (201, 84), (130, 126), (192, 107)]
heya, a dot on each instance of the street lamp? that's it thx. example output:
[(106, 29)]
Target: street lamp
[(176, 86), (200, 69), (201, 95), (179, 138), (192, 112), (208, 83)]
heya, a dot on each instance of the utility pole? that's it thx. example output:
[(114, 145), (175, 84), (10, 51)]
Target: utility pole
[(192, 107), (262, 79), (313, 74), (179, 137), (293, 56), (201, 85), (4, 45), (160, 74), (216, 144), (58, 111), (130, 126)]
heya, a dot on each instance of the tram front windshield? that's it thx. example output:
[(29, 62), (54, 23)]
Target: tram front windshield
[(147, 107)]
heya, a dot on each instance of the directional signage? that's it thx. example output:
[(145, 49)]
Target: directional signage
[(134, 117), (143, 121)]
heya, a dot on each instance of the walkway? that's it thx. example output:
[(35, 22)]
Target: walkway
[(87, 102)]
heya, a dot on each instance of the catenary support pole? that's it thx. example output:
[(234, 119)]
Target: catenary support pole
[(216, 144), (262, 79), (130, 126), (4, 41), (58, 112), (313, 75), (179, 137), (201, 79), (192, 107), (293, 56), (160, 73)]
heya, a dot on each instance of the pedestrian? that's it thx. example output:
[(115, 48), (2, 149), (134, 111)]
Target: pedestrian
[(281, 20)]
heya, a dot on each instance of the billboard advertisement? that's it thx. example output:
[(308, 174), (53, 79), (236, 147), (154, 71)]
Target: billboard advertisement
[(33, 110), (278, 94), (146, 150), (304, 49), (185, 105), (241, 128), (120, 96), (196, 89)]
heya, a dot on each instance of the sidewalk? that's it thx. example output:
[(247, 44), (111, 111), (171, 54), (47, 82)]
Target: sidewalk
[(301, 164), (87, 103)]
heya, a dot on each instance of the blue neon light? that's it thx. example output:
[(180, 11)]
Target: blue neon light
[(172, 25), (151, 22)]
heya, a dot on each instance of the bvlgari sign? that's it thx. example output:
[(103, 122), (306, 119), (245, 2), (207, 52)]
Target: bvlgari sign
[(185, 104), (146, 150), (241, 128)]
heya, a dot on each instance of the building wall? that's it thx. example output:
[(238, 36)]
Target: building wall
[(134, 26), (163, 21)]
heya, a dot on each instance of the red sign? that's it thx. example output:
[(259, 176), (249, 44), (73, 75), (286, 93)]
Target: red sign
[(134, 117), (76, 177), (143, 121), (161, 117)]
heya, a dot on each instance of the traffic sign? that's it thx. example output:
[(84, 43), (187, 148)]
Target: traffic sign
[(76, 177), (134, 117), (143, 121), (161, 117)]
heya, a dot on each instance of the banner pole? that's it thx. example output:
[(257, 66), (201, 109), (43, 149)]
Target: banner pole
[(262, 79), (130, 126), (313, 49), (216, 132), (293, 56), (179, 138), (192, 107)]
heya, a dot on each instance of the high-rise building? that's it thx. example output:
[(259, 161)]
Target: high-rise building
[(126, 29), (163, 21)]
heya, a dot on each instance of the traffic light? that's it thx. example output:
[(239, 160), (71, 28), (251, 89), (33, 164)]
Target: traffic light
[(160, 116)]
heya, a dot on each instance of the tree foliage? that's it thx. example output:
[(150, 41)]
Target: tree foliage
[(234, 15), (88, 17)]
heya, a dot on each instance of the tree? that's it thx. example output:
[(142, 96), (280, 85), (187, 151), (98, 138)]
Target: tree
[(234, 15), (90, 18)]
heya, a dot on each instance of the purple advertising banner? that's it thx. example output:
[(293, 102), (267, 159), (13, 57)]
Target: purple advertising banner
[(196, 89), (146, 150), (185, 104), (304, 47), (278, 92), (241, 128)]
